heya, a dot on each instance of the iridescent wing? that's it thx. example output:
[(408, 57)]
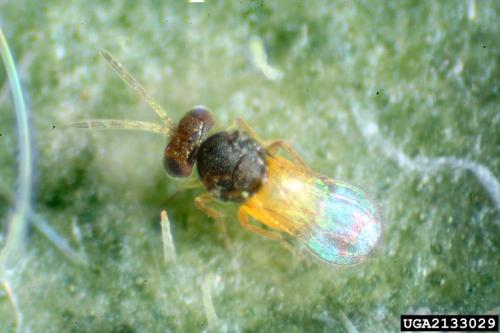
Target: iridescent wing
[(333, 220), (346, 224)]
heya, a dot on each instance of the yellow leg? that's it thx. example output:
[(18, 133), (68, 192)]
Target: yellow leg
[(245, 223), (275, 146), (203, 203), (272, 235), (238, 122), (271, 147)]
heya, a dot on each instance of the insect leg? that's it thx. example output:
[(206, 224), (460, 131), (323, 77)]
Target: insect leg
[(245, 223), (203, 202), (275, 146), (271, 147), (273, 235), (238, 122)]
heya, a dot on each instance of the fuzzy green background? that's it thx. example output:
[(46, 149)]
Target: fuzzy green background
[(399, 98)]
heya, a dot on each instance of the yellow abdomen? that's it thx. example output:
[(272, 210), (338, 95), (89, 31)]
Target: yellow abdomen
[(284, 201), (332, 219)]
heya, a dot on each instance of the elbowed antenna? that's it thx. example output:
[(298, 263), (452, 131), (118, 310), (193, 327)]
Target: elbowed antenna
[(166, 128), (136, 86)]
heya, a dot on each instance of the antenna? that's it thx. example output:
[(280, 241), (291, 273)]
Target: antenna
[(165, 129), (136, 86), (121, 124)]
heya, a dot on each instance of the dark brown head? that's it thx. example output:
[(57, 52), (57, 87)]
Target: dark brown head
[(180, 153), (231, 165)]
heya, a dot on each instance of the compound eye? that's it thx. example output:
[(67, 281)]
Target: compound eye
[(203, 115), (180, 153), (195, 125), (177, 167)]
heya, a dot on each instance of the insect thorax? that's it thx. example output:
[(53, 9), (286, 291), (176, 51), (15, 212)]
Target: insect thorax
[(231, 165)]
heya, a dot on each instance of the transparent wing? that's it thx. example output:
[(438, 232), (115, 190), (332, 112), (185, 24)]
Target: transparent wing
[(346, 224), (333, 220)]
